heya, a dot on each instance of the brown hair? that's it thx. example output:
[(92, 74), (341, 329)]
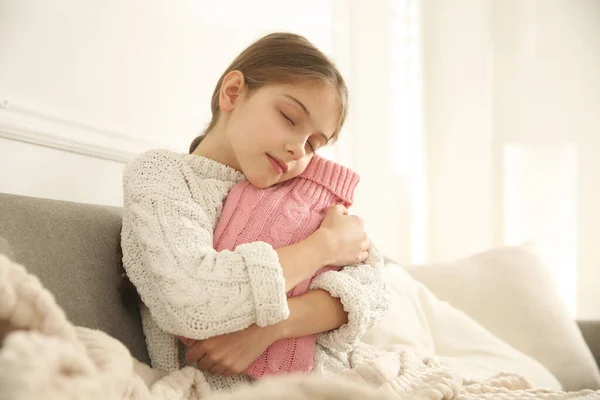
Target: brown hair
[(281, 58)]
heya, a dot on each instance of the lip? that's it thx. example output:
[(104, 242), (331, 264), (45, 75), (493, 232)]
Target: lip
[(283, 166)]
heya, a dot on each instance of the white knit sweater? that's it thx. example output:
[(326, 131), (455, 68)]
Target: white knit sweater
[(172, 203)]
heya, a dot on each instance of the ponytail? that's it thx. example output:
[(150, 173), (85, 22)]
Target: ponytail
[(196, 142)]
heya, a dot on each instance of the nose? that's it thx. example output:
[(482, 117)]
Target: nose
[(296, 149)]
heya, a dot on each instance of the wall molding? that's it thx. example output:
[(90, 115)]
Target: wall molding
[(27, 135), (28, 125)]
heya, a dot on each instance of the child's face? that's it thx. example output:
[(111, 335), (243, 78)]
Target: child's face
[(275, 131)]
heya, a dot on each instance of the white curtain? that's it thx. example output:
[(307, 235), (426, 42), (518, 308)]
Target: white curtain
[(475, 124)]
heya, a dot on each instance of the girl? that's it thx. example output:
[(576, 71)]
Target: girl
[(277, 104)]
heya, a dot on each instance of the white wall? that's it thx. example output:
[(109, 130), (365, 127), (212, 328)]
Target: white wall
[(107, 80), (111, 79), (40, 171)]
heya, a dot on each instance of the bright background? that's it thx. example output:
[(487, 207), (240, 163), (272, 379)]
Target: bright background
[(474, 123)]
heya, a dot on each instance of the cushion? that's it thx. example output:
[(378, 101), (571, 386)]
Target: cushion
[(74, 249), (590, 329), (418, 321), (511, 292), (6, 249)]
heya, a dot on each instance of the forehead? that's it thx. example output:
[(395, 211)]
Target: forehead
[(320, 100)]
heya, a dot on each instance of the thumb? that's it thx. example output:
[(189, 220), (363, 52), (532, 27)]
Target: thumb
[(338, 209)]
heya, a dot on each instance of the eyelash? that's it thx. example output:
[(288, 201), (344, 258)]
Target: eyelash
[(288, 118), (312, 148)]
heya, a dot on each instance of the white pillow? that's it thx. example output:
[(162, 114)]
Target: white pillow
[(419, 322), (511, 293)]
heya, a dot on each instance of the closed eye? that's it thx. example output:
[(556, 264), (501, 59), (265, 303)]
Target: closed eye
[(288, 118)]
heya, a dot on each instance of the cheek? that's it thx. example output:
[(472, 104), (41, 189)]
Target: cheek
[(259, 130), (269, 127), (299, 167)]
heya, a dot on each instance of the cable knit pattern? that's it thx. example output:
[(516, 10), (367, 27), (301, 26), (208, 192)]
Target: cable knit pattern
[(283, 215)]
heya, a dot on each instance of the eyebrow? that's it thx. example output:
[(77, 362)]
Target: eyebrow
[(327, 139)]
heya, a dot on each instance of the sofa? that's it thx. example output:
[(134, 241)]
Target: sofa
[(74, 249)]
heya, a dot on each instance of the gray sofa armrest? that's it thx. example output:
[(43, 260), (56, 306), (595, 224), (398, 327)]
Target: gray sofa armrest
[(591, 333)]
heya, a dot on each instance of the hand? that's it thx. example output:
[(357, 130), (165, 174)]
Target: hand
[(231, 353), (345, 236)]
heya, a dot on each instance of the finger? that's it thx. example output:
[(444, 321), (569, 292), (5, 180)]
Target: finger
[(364, 255), (358, 220), (205, 363), (194, 353), (338, 209), (218, 369), (366, 245)]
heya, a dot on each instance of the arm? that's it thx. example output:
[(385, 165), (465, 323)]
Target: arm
[(364, 296), (317, 311), (313, 312), (302, 259), (190, 289)]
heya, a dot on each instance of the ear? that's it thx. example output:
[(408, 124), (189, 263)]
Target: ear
[(232, 87)]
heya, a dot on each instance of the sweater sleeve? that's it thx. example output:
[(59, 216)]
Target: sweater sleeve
[(363, 294), (189, 288)]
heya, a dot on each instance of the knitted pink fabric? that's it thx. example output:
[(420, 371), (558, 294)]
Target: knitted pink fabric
[(283, 215)]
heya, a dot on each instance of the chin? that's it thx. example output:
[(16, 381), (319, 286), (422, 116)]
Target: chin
[(261, 182)]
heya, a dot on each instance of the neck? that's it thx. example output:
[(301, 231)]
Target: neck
[(216, 147)]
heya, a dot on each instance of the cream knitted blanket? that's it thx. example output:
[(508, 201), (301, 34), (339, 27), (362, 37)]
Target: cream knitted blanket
[(42, 355)]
